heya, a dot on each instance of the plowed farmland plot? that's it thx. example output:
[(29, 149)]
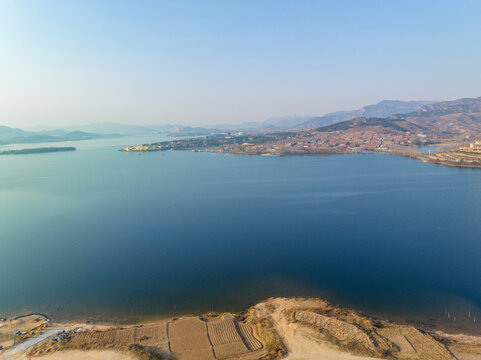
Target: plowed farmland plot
[(188, 339), (151, 334), (223, 330), (246, 332)]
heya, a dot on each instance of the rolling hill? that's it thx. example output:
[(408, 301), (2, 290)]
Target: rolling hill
[(453, 120), (383, 109), (10, 135), (457, 120), (385, 124)]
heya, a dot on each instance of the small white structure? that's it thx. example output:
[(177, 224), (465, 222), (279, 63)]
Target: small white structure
[(476, 146)]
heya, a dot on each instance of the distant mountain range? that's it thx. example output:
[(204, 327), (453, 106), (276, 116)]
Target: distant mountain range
[(382, 109), (114, 128), (458, 120), (274, 123), (125, 129), (108, 129), (10, 135)]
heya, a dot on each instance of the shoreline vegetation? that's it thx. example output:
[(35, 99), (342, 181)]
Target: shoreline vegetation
[(307, 328), (289, 143), (37, 150)]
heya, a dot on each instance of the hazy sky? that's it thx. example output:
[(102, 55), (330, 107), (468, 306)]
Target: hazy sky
[(198, 62)]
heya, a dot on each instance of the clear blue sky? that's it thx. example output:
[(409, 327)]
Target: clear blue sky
[(198, 62)]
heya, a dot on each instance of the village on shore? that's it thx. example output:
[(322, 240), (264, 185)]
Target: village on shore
[(322, 143)]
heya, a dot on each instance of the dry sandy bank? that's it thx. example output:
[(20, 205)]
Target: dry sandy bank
[(294, 329), (86, 355)]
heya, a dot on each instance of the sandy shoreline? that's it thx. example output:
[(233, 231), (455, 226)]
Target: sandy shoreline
[(295, 328)]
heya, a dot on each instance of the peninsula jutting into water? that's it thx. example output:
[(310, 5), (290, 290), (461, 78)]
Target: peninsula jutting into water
[(456, 123)]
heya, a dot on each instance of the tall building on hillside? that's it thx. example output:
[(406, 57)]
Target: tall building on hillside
[(476, 146)]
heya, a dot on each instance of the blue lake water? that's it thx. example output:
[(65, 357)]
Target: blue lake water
[(100, 234)]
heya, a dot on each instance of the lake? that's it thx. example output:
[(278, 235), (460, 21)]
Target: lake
[(101, 234)]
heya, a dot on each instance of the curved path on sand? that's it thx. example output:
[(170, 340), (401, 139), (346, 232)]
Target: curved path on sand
[(23, 347)]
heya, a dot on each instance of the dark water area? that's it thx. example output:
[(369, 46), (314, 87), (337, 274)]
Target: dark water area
[(101, 234)]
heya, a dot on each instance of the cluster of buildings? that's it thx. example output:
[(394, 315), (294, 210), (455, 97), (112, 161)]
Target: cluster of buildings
[(356, 140), (146, 147), (315, 142), (307, 142), (474, 147)]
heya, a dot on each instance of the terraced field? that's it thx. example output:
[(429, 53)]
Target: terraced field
[(413, 344), (146, 335), (190, 338), (225, 338), (223, 330), (300, 328), (153, 335), (455, 158), (213, 338)]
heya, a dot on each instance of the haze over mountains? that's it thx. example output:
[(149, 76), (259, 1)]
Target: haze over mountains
[(127, 129), (457, 119), (384, 108), (10, 135)]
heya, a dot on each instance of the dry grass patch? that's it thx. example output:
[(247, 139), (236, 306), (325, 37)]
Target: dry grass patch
[(131, 351), (230, 350), (408, 340), (188, 338), (342, 333), (263, 329), (112, 339)]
